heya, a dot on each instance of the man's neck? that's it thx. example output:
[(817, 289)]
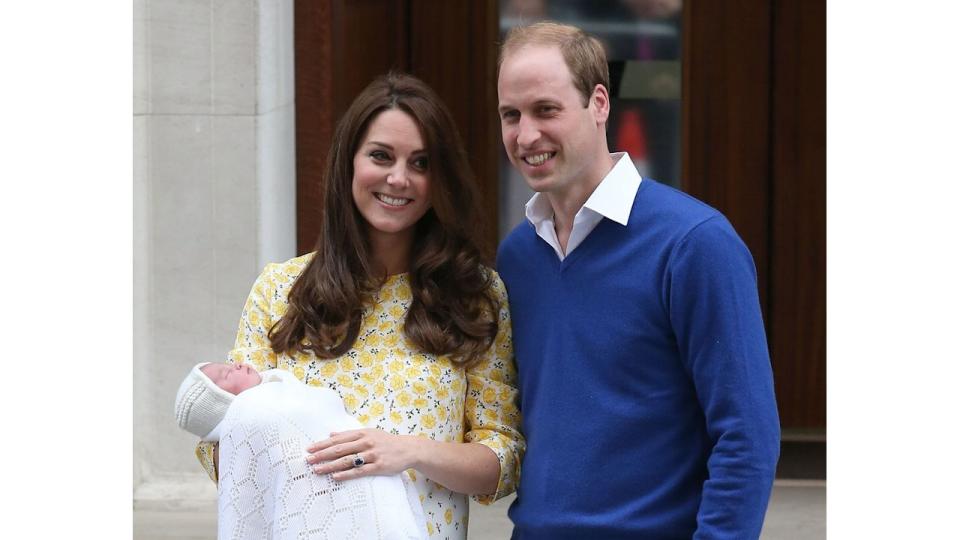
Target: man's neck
[(566, 204)]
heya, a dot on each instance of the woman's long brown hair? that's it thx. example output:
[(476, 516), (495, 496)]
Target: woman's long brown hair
[(454, 311)]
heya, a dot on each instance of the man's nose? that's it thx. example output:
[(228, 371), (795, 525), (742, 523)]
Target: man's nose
[(528, 133)]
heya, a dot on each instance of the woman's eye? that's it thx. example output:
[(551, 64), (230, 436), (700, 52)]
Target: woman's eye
[(421, 163), (379, 155)]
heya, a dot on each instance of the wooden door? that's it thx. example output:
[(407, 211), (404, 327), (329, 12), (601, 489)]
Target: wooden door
[(754, 146), (342, 45)]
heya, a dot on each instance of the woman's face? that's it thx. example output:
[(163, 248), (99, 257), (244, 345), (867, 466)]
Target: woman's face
[(391, 176)]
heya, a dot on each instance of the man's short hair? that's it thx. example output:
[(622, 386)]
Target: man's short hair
[(584, 54)]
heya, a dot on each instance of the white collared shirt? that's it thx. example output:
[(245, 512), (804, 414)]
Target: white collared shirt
[(612, 199)]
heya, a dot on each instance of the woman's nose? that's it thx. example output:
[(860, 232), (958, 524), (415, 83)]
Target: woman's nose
[(397, 177)]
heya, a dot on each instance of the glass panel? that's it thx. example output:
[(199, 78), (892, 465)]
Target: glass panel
[(642, 38)]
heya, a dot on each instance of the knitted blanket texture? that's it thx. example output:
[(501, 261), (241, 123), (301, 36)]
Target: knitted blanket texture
[(267, 489)]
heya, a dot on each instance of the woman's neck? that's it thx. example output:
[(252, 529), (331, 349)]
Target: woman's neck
[(391, 252)]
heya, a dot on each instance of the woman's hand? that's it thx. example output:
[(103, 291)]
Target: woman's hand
[(382, 453)]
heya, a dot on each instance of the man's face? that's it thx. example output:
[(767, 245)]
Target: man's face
[(233, 378), (549, 135)]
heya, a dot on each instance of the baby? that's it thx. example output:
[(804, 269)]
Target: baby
[(264, 422)]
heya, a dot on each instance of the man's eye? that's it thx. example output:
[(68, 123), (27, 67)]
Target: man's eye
[(510, 115)]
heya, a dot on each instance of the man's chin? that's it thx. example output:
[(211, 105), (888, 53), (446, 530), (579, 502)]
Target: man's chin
[(538, 183)]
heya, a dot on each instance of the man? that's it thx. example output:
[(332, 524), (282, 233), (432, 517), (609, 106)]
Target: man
[(646, 388)]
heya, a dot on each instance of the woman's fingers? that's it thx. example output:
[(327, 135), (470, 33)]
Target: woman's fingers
[(356, 471), (335, 438), (351, 466), (337, 451), (352, 459)]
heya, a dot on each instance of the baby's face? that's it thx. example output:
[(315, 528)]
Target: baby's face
[(233, 378)]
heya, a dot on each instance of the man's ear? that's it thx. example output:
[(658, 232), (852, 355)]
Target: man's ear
[(600, 99)]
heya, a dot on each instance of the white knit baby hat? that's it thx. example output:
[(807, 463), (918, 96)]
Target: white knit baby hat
[(201, 404)]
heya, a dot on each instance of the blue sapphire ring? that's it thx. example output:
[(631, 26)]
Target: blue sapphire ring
[(358, 461)]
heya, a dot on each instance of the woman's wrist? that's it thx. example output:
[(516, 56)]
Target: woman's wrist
[(469, 468), (418, 450)]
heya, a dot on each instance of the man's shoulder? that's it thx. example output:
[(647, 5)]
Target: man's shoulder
[(667, 202), (514, 250), (680, 219), (517, 240)]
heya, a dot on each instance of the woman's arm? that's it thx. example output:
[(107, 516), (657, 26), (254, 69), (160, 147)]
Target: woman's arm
[(470, 468), (492, 405), (486, 464)]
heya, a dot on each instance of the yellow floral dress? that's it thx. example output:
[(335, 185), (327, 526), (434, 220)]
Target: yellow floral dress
[(386, 383)]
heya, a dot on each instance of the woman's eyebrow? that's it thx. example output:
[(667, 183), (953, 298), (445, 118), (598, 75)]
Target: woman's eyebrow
[(390, 147)]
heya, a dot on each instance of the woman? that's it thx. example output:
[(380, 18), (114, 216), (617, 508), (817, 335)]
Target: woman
[(396, 312)]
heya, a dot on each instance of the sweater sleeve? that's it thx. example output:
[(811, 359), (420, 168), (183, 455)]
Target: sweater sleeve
[(715, 313), (252, 346), (491, 408)]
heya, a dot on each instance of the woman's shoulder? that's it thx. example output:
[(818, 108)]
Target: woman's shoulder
[(496, 284), (278, 277), (290, 269)]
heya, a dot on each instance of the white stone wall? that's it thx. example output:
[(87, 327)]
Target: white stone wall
[(214, 201)]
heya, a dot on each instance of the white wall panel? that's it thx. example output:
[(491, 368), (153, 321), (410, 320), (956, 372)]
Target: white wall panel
[(214, 200)]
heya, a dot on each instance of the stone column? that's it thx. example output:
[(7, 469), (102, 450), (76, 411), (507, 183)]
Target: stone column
[(214, 201)]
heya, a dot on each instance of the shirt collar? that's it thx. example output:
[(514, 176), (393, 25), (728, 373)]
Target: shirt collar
[(538, 209), (612, 199)]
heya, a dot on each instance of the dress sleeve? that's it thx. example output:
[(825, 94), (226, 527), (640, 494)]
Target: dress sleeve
[(263, 307), (491, 409)]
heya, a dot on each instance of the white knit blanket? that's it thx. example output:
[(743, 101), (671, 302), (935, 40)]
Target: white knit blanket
[(267, 489)]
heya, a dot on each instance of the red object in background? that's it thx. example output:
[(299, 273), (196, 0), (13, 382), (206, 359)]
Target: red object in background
[(632, 138)]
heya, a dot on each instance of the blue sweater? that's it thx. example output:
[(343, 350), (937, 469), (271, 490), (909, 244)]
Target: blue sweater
[(645, 383)]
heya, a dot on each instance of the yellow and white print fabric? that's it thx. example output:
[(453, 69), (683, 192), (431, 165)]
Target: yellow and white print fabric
[(386, 383)]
